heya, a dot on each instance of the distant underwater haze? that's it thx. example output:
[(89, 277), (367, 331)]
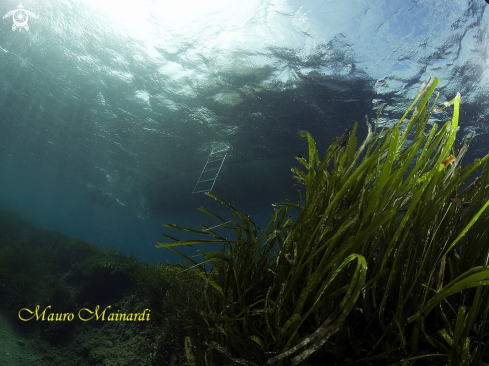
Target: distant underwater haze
[(110, 110)]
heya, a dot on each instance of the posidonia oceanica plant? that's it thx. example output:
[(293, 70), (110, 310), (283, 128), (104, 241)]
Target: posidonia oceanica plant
[(383, 259)]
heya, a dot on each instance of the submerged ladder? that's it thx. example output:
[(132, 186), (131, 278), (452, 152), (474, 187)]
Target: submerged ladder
[(211, 171)]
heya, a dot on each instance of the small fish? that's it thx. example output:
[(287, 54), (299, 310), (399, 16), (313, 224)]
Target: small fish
[(448, 160), (460, 202)]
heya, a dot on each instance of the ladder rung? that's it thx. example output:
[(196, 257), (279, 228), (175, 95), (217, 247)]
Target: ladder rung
[(205, 190), (210, 170), (217, 152), (201, 181)]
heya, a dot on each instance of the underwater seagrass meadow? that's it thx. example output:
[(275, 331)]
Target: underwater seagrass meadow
[(382, 260), (259, 182)]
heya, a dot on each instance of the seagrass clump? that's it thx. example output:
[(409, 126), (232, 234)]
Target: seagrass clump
[(383, 259)]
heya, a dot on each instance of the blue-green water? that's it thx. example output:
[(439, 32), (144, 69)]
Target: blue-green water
[(130, 98)]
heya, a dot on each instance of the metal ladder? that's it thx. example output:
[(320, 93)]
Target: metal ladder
[(211, 170)]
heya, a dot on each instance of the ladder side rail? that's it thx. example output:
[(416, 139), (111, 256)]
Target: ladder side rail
[(222, 162), (202, 172)]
